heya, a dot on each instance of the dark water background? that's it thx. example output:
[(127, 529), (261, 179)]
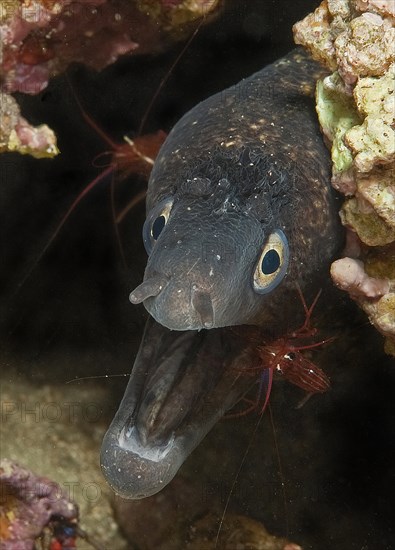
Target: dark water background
[(338, 457)]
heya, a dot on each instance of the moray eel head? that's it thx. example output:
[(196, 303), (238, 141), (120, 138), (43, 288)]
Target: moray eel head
[(227, 245), (239, 205), (196, 273)]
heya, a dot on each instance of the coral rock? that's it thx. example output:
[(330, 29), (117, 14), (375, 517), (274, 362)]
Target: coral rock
[(16, 134), (384, 7), (314, 32), (28, 504), (372, 142), (376, 296), (235, 532), (337, 114), (365, 48), (356, 109), (378, 188), (40, 38), (362, 218), (350, 275)]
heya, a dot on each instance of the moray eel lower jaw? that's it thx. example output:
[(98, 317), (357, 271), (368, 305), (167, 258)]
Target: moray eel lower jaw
[(181, 385)]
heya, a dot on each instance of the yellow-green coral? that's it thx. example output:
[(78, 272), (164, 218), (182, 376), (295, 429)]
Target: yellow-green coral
[(8, 8), (375, 96), (189, 10), (371, 229), (42, 143), (381, 314), (372, 142), (378, 188), (337, 114), (173, 18), (381, 263)]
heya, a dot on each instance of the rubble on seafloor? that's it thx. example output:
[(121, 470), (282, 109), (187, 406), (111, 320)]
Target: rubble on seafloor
[(29, 504), (52, 469), (170, 511), (235, 532), (356, 107), (40, 38)]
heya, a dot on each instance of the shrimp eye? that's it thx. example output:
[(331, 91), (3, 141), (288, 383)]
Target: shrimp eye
[(155, 223), (272, 263)]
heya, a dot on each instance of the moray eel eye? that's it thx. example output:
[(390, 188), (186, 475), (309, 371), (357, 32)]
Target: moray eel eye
[(272, 264), (155, 223), (157, 226)]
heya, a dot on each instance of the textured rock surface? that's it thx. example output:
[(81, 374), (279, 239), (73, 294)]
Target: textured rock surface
[(171, 511), (28, 504), (16, 134), (59, 432), (356, 108), (40, 38)]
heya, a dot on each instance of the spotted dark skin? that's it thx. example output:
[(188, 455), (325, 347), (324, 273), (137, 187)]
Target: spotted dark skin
[(239, 213)]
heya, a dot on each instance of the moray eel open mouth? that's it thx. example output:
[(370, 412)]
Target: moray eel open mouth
[(181, 384)]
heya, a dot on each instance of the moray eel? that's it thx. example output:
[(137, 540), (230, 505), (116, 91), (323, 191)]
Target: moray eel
[(239, 211)]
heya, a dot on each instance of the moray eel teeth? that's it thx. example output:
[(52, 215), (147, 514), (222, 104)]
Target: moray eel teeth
[(152, 287)]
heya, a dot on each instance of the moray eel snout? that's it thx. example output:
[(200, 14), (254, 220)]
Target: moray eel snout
[(173, 295), (165, 293)]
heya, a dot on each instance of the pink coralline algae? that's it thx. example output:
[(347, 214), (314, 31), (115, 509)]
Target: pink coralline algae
[(16, 134), (40, 38), (28, 504)]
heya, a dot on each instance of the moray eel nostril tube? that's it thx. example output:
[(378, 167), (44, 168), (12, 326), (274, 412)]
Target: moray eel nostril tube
[(239, 212), (202, 304)]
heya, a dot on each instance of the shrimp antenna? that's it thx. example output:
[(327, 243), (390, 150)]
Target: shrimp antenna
[(168, 74), (95, 377), (279, 463), (88, 119), (65, 217), (109, 168), (280, 471), (236, 478)]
